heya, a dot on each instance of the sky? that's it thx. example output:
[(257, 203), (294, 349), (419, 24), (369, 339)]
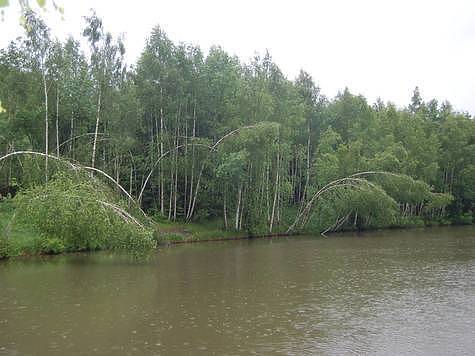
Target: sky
[(377, 48)]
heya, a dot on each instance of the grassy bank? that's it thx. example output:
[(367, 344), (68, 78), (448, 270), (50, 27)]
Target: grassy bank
[(20, 239), (178, 232), (16, 239)]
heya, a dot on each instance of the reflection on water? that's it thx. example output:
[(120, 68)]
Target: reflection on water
[(393, 292)]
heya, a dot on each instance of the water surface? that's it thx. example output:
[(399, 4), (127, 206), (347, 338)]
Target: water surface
[(394, 292)]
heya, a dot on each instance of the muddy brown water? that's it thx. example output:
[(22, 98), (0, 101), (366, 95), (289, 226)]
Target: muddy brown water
[(406, 292)]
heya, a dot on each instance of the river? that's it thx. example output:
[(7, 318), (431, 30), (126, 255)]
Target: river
[(409, 292)]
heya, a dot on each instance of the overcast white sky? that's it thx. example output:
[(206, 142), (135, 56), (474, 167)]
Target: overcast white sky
[(378, 48)]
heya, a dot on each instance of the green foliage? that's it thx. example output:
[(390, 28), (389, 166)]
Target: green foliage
[(51, 245), (408, 221), (465, 219), (438, 201), (4, 248), (77, 215), (366, 206)]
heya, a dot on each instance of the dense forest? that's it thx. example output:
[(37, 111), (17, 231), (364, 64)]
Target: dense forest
[(194, 136)]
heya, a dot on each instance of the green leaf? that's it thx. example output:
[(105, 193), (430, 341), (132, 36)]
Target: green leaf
[(41, 3), (4, 3)]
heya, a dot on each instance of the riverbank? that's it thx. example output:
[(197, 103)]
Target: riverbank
[(20, 240)]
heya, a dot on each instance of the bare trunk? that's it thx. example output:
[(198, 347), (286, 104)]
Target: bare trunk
[(190, 214), (238, 206), (192, 161), (267, 191), (185, 185), (262, 188), (117, 169), (171, 190), (96, 130), (176, 178), (162, 196), (276, 189), (130, 179), (71, 134), (57, 123), (307, 177), (242, 209), (46, 124), (225, 210)]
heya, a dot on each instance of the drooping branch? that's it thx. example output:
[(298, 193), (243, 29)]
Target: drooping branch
[(76, 166), (112, 180), (121, 213), (303, 216), (16, 153), (350, 181), (149, 175), (339, 221), (78, 136), (232, 133)]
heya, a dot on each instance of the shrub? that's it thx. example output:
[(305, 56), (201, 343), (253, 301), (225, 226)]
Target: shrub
[(409, 221), (77, 213), (4, 248), (51, 245), (464, 219)]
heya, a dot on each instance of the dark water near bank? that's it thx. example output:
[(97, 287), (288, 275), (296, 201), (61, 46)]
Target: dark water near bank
[(395, 292)]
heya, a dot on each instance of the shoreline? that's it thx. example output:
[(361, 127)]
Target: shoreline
[(178, 234), (232, 238)]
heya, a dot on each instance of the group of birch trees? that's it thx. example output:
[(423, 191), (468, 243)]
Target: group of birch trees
[(194, 135)]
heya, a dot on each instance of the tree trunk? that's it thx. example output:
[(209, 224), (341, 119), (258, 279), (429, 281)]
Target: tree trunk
[(307, 177), (57, 123), (242, 209), (96, 131), (171, 188), (176, 177), (130, 179), (192, 162), (46, 124), (276, 189), (267, 191), (190, 214), (185, 168), (238, 206), (225, 214), (162, 196), (71, 135)]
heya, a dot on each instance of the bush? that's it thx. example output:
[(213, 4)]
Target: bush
[(51, 246), (464, 219), (409, 221), (80, 214), (4, 248)]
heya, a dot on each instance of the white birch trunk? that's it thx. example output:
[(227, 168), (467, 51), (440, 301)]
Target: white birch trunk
[(94, 146), (46, 124)]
